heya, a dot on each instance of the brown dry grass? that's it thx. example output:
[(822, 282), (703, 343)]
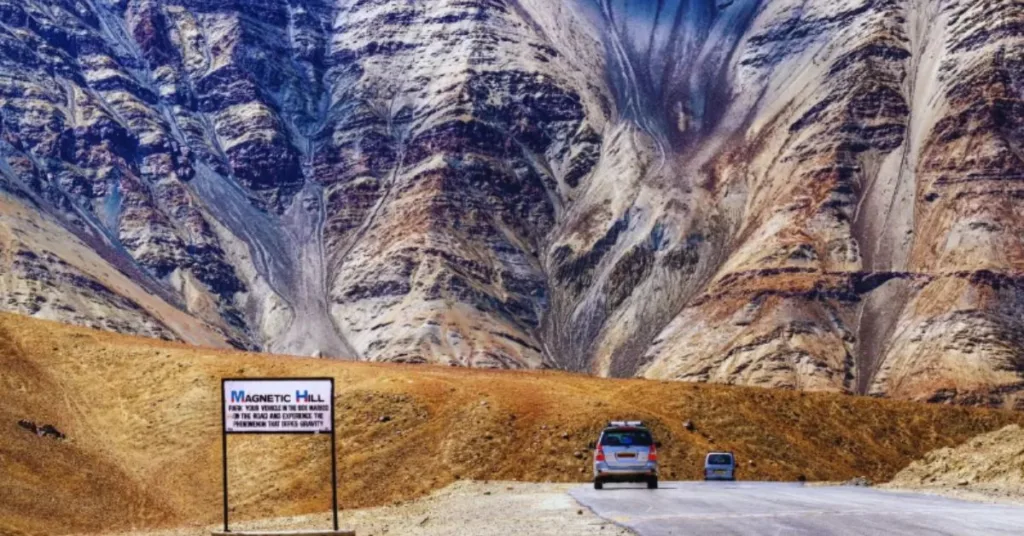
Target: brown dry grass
[(143, 424)]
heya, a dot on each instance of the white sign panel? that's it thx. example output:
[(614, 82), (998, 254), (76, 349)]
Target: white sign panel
[(278, 406)]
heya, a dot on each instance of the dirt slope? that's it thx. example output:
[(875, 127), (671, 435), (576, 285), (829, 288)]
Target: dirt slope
[(992, 464), (143, 442)]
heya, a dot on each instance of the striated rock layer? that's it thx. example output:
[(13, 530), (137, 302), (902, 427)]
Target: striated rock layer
[(804, 194)]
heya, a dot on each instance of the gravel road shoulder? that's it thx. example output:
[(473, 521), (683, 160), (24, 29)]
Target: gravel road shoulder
[(992, 496), (478, 508)]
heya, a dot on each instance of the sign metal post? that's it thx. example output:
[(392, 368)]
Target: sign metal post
[(224, 452), (334, 469), (278, 406)]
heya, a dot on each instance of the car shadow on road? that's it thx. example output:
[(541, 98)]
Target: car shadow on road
[(636, 488)]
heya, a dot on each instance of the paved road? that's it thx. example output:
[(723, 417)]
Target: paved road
[(714, 508)]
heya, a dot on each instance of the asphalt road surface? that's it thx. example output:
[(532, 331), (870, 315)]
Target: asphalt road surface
[(741, 508)]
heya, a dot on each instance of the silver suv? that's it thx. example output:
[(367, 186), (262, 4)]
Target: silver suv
[(625, 452), (720, 466)]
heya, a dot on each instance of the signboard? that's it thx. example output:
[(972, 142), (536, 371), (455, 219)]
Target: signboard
[(278, 406)]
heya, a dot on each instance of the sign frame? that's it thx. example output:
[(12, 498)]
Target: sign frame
[(225, 433), (256, 431)]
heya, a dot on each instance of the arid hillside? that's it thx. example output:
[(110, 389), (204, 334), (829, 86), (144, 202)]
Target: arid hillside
[(142, 446)]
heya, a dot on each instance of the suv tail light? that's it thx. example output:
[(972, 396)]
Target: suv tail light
[(652, 456), (599, 454)]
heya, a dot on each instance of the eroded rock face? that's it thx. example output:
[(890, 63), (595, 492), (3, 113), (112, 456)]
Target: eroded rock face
[(801, 194), (874, 249)]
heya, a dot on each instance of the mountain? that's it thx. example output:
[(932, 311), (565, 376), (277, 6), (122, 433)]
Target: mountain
[(805, 194)]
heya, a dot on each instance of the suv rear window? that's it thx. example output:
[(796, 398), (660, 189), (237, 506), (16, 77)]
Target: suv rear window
[(626, 438), (719, 459)]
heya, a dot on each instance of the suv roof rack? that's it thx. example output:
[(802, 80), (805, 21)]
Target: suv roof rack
[(637, 424)]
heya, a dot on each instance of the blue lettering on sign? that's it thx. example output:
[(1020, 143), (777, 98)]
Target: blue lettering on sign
[(238, 396), (302, 396)]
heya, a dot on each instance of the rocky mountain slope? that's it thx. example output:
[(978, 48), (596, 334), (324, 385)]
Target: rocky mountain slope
[(788, 193)]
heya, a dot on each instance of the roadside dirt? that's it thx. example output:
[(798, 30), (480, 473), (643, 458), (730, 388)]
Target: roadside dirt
[(477, 508), (143, 443), (989, 467)]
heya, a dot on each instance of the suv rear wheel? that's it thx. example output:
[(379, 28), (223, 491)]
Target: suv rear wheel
[(652, 483), (598, 484)]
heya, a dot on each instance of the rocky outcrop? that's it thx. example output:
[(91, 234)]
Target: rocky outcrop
[(799, 194), (988, 465)]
